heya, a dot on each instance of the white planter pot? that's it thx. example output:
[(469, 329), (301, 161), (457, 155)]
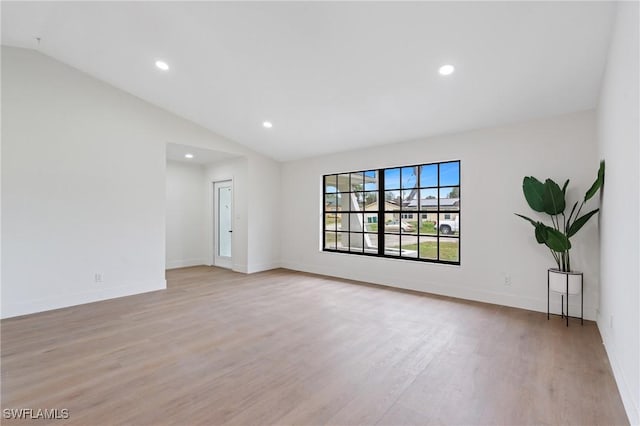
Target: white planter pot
[(558, 281)]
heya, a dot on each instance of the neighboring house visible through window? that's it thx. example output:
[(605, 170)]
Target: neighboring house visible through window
[(410, 212)]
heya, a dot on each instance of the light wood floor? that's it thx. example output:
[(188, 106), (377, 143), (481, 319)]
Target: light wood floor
[(289, 348)]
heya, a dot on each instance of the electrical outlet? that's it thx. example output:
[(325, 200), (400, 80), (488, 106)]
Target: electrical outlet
[(97, 277), (507, 280)]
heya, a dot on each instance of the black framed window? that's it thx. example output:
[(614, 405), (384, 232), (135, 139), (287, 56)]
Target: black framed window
[(407, 212)]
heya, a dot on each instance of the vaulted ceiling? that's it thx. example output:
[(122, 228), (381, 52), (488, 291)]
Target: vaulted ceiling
[(331, 76)]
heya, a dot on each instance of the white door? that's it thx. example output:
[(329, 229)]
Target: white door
[(223, 214)]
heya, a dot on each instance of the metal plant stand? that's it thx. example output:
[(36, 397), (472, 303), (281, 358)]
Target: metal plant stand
[(562, 295)]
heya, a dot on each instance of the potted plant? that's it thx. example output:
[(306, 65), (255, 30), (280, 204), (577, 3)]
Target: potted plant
[(549, 198)]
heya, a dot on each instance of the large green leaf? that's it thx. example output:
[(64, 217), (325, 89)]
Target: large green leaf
[(553, 198), (593, 190), (541, 233), (556, 240), (579, 223), (597, 184), (533, 192)]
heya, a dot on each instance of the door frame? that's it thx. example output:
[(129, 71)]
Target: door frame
[(215, 259)]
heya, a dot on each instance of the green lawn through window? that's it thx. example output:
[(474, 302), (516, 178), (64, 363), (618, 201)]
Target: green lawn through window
[(428, 249)]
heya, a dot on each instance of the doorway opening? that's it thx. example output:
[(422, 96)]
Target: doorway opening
[(200, 210)]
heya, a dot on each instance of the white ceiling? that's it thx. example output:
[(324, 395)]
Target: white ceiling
[(331, 76), (177, 152)]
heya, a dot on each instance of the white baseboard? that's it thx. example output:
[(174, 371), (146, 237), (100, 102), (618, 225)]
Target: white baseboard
[(252, 269), (184, 263), (466, 293), (240, 267), (65, 300), (630, 405)]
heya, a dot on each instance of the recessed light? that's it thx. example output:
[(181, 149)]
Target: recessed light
[(446, 69), (162, 65), (188, 156), (267, 124)]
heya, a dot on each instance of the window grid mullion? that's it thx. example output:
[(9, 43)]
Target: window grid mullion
[(438, 215), (381, 212)]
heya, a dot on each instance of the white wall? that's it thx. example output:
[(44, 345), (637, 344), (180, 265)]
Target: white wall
[(83, 186), (185, 220), (618, 140), (494, 242), (265, 205)]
